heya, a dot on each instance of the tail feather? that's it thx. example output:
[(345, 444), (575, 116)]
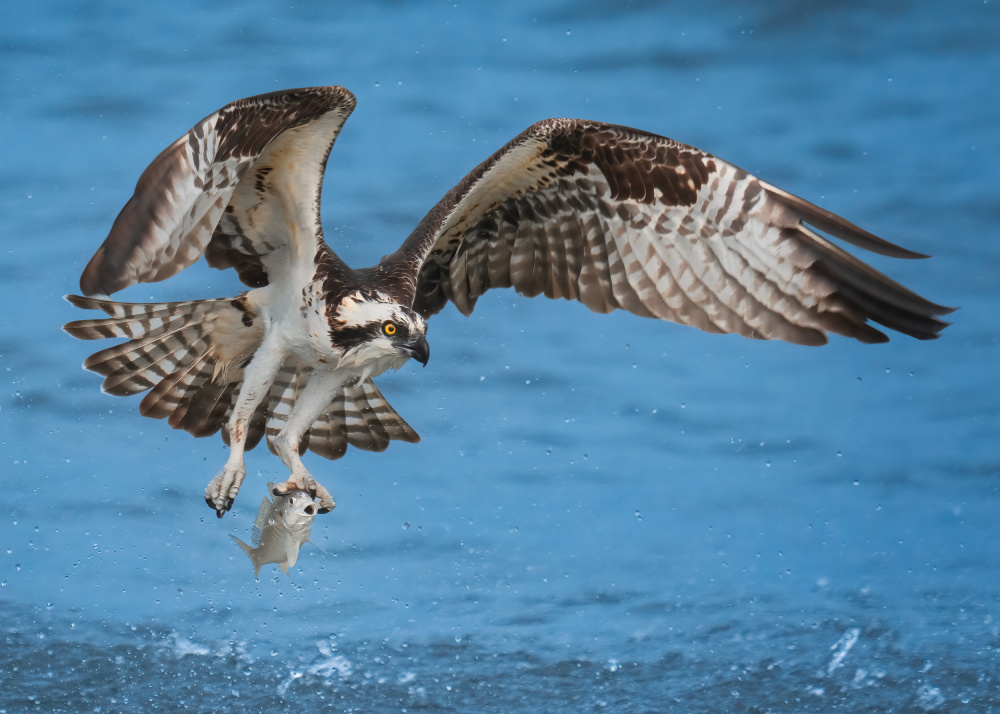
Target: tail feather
[(329, 432), (359, 416), (284, 393)]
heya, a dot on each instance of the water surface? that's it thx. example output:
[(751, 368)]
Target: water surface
[(605, 513)]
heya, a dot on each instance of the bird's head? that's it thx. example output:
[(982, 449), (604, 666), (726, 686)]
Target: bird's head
[(374, 330)]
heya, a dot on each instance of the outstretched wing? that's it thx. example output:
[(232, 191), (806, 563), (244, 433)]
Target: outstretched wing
[(242, 186), (619, 218)]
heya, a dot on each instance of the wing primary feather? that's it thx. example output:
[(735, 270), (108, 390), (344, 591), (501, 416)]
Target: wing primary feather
[(860, 275), (839, 227)]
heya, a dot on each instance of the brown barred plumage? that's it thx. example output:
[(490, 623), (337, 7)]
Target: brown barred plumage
[(619, 218), (171, 353), (613, 217)]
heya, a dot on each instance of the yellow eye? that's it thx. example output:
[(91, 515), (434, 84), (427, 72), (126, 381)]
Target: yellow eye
[(389, 329)]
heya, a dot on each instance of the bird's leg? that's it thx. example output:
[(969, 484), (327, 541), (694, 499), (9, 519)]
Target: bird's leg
[(315, 398), (257, 379)]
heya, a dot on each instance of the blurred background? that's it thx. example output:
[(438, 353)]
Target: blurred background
[(605, 513)]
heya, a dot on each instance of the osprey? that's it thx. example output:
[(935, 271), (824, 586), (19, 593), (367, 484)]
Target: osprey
[(610, 216)]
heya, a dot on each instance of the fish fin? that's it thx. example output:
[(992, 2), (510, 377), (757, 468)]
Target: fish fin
[(284, 566), (263, 514), (291, 553)]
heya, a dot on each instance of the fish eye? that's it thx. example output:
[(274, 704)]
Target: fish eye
[(389, 328)]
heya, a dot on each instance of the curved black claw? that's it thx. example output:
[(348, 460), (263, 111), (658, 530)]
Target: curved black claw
[(282, 490), (323, 510), (219, 512)]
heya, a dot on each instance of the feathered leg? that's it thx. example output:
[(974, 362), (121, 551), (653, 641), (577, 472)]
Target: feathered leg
[(257, 379), (315, 398)]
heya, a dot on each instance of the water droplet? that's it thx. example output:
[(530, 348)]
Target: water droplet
[(638, 515)]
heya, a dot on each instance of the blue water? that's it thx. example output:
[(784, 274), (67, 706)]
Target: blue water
[(605, 513)]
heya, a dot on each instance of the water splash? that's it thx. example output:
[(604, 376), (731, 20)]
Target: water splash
[(929, 698), (330, 666), (840, 649)]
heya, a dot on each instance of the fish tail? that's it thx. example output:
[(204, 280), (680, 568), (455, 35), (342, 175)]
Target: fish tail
[(249, 551)]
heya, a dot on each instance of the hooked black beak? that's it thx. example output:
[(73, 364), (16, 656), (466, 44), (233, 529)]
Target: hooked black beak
[(419, 350)]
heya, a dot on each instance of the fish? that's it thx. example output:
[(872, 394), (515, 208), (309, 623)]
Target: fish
[(280, 529)]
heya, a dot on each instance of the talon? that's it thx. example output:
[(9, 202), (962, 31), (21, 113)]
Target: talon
[(326, 503), (304, 482), (222, 490), (219, 512)]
